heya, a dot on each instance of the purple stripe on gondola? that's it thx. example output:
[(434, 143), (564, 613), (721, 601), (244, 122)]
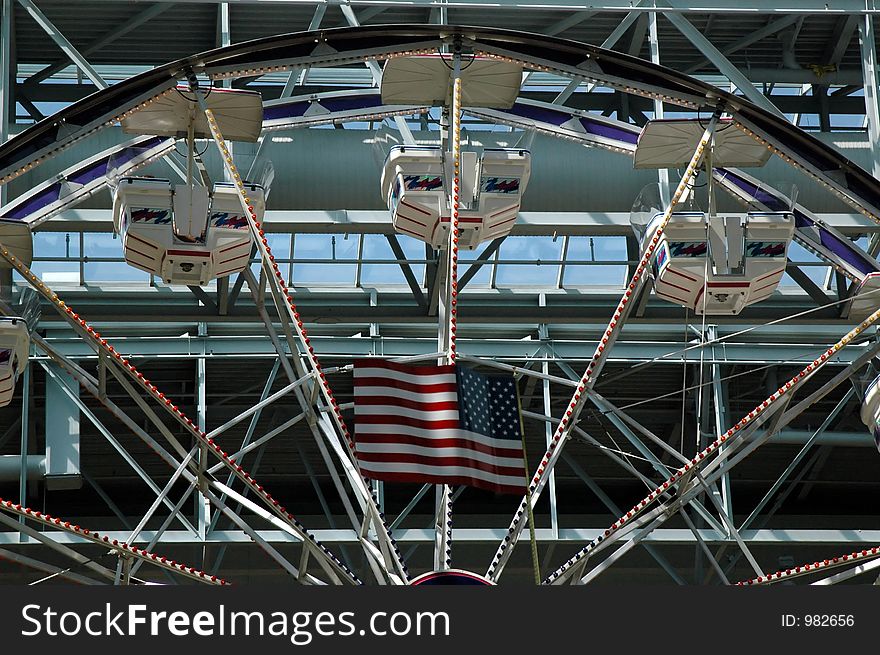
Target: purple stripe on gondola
[(541, 114), (120, 159), (558, 118), (287, 110), (298, 109), (35, 203), (89, 173), (801, 221), (772, 202), (350, 103), (843, 249), (839, 247), (618, 133), (84, 175)]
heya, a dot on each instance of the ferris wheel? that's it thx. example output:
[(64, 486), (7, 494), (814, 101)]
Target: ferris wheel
[(453, 197)]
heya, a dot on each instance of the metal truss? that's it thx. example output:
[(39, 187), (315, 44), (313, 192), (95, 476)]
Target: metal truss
[(695, 487)]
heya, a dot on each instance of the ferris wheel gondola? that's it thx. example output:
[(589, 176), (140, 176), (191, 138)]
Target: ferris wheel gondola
[(195, 232), (417, 180), (710, 262)]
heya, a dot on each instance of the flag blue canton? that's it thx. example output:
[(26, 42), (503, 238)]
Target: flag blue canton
[(488, 404)]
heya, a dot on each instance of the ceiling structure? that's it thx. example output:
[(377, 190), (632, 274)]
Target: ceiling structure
[(538, 301)]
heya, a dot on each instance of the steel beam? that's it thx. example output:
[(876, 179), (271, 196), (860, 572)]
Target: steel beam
[(870, 80), (51, 569), (714, 55), (567, 23), (356, 221), (615, 510), (772, 27), (425, 536), (112, 36), (678, 6), (408, 274), (376, 72), (7, 79), (61, 41)]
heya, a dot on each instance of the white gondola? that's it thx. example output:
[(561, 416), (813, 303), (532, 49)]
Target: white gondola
[(184, 235), (189, 233), (417, 180), (14, 345), (720, 265), (415, 185), (711, 263), (871, 410)]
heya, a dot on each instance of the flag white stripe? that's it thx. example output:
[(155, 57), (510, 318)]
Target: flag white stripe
[(446, 433), (430, 451), (449, 471), (391, 411), (393, 392), (388, 374)]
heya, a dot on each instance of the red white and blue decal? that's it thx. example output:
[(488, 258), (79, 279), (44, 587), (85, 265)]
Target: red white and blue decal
[(148, 215), (662, 256), (422, 182), (687, 248), (229, 221), (499, 185), (765, 249), (452, 577)]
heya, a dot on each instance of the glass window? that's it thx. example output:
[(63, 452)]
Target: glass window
[(580, 269), (324, 259), (534, 261)]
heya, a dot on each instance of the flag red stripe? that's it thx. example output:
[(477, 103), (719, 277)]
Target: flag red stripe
[(423, 478), (451, 442), (404, 386), (447, 424), (409, 404)]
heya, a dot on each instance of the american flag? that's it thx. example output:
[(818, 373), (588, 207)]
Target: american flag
[(437, 424)]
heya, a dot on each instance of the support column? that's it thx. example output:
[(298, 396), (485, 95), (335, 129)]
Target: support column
[(7, 79), (719, 400), (62, 432), (869, 76), (25, 430), (548, 430), (654, 47), (224, 38), (203, 505), (448, 301)]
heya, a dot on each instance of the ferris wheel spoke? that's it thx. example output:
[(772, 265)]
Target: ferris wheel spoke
[(622, 550), (624, 422), (865, 560), (588, 380), (715, 466), (122, 549), (193, 473), (295, 334)]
